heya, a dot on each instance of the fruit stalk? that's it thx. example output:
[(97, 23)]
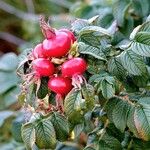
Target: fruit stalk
[(47, 31)]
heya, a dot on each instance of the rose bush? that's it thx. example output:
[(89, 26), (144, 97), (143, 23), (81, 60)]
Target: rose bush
[(92, 88)]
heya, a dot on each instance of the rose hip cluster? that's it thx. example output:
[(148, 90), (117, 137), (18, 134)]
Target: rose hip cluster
[(62, 77)]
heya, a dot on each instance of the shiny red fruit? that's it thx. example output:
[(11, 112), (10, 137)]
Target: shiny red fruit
[(57, 46), (73, 66), (60, 85), (69, 33), (38, 51), (43, 67)]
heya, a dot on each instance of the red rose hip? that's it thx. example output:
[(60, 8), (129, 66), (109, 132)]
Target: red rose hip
[(74, 66), (57, 46), (43, 67), (69, 33), (38, 51), (60, 85)]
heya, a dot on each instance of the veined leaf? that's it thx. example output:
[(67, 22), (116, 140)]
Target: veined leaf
[(74, 106), (89, 148), (43, 90), (88, 123), (16, 128), (139, 144), (130, 122), (119, 10), (142, 122), (117, 110), (141, 45), (145, 27), (28, 135), (61, 126), (79, 24), (120, 114), (99, 31), (141, 81), (88, 94), (102, 145), (128, 26), (143, 37), (78, 129), (30, 95), (148, 18), (142, 118), (108, 90), (116, 68), (105, 83), (141, 40), (67, 146), (93, 35), (133, 63), (109, 107), (45, 134), (111, 142), (98, 77), (144, 101), (96, 52)]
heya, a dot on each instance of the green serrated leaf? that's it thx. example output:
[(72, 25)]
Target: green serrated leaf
[(16, 128), (43, 90), (30, 95), (98, 77), (89, 148), (140, 144), (73, 106), (96, 52), (120, 115), (78, 129), (45, 134), (141, 40), (133, 63), (103, 145), (94, 66), (105, 83), (97, 31), (109, 107), (88, 94), (93, 35), (67, 146), (61, 126), (108, 90), (130, 122), (141, 81), (28, 135), (79, 24), (116, 68), (142, 48), (142, 118), (128, 26), (111, 141), (119, 10)]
